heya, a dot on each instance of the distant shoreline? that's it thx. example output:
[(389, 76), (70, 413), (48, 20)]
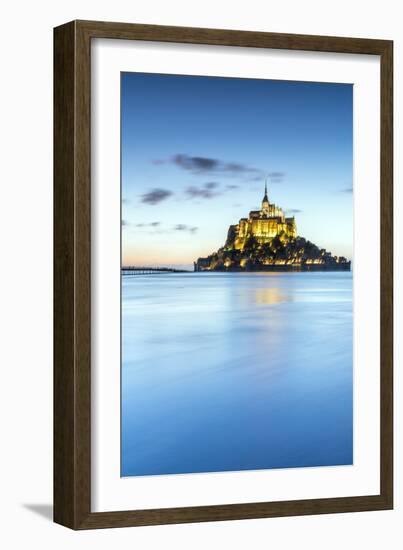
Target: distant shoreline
[(280, 268), (259, 269), (293, 267), (345, 266)]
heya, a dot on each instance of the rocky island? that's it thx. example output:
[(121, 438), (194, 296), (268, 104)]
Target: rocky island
[(268, 241)]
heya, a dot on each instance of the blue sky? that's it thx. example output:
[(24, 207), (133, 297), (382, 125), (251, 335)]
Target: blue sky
[(196, 151)]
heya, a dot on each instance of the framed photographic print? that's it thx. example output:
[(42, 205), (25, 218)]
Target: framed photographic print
[(222, 275)]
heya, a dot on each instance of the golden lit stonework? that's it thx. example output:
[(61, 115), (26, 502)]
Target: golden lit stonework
[(263, 225), (267, 241)]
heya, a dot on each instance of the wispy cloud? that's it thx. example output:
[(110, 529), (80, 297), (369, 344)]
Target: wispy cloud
[(347, 190), (276, 177), (156, 196), (208, 165), (151, 224), (157, 228), (293, 211), (184, 227), (196, 164), (206, 191)]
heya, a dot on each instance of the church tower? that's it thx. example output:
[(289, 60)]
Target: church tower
[(265, 201)]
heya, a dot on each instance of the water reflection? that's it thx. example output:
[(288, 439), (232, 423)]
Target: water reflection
[(273, 295), (236, 371)]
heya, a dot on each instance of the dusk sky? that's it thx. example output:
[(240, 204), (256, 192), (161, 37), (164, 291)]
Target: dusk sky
[(196, 152)]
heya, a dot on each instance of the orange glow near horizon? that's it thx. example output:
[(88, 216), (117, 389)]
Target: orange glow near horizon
[(150, 258)]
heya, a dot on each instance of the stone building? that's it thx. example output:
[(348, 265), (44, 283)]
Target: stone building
[(263, 225)]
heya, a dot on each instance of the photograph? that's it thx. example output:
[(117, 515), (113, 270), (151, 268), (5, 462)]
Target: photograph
[(204, 353), (236, 274)]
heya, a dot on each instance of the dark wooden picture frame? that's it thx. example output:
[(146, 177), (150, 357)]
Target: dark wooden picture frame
[(72, 271)]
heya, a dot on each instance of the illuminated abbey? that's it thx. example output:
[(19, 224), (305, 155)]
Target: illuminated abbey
[(266, 240), (263, 225)]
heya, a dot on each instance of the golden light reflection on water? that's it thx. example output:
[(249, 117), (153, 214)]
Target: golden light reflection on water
[(263, 296), (270, 296)]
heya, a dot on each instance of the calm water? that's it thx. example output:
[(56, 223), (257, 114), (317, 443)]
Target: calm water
[(236, 371)]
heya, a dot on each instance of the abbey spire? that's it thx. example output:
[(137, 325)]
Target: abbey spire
[(265, 201)]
